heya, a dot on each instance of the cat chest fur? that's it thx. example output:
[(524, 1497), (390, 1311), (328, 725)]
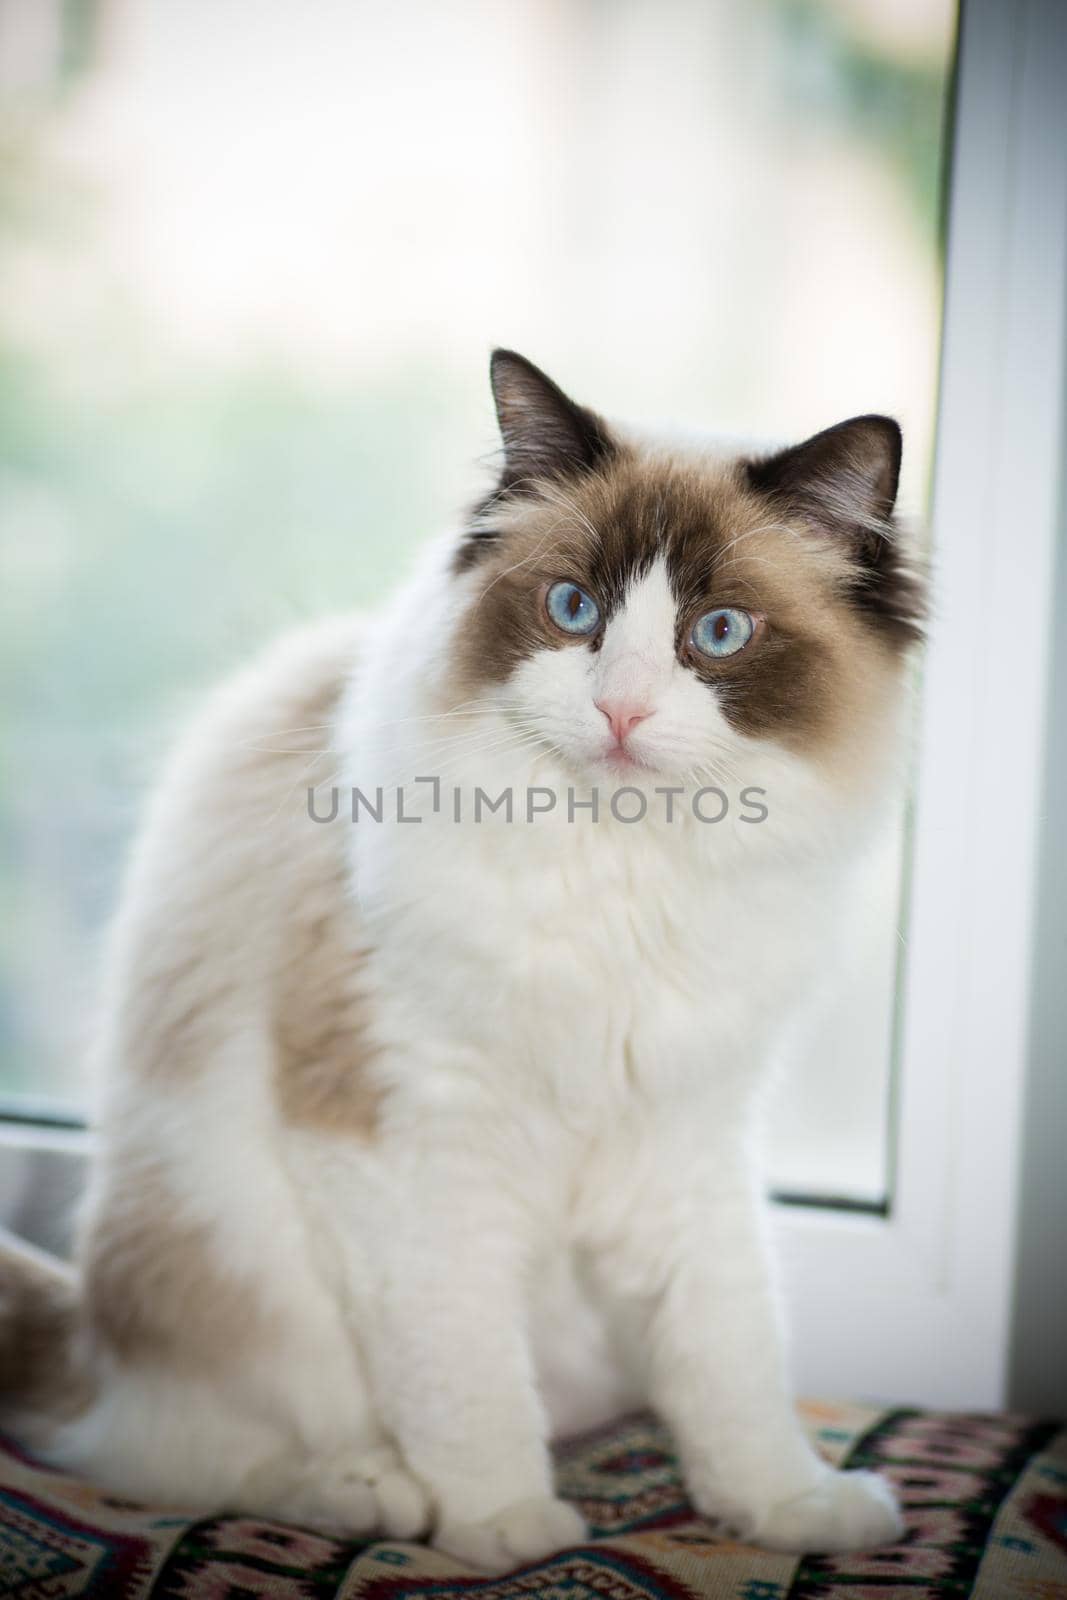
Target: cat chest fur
[(622, 961)]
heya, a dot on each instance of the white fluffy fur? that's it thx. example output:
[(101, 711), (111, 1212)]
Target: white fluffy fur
[(558, 1214)]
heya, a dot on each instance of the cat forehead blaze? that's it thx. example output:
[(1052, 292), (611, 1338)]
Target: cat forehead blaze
[(802, 542)]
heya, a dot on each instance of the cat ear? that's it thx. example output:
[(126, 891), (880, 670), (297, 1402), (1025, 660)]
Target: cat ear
[(545, 434), (844, 479)]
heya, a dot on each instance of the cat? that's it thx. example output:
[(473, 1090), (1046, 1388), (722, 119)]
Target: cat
[(422, 1141)]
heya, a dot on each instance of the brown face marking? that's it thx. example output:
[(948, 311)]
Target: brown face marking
[(802, 541), (718, 552), (843, 483), (545, 436)]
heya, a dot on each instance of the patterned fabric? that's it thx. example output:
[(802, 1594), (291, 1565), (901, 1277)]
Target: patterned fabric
[(985, 1499)]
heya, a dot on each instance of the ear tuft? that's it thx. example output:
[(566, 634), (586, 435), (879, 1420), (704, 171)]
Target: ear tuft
[(545, 434)]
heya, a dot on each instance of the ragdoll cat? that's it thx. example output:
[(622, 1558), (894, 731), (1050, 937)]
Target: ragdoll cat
[(425, 1140)]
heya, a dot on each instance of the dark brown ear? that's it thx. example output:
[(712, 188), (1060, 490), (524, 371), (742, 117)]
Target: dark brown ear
[(843, 482), (844, 479), (545, 434)]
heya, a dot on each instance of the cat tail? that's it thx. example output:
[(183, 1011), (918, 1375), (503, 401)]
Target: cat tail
[(44, 1375)]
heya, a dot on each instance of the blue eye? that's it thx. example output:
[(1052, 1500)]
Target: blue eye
[(723, 633), (571, 609)]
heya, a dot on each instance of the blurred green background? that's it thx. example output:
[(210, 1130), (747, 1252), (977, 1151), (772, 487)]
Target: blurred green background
[(252, 262)]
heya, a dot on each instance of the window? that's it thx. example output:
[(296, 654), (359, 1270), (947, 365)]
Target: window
[(252, 270)]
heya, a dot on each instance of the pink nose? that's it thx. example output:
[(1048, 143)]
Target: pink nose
[(622, 715)]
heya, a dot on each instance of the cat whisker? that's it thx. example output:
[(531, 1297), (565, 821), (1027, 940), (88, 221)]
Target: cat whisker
[(464, 708), (429, 748), (298, 783), (461, 748), (525, 562), (752, 533), (555, 495), (255, 743)]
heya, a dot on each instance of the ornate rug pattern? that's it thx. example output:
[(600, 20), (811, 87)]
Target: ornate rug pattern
[(985, 1500)]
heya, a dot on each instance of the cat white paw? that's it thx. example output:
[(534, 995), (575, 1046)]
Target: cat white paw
[(404, 1507), (342, 1507), (847, 1511), (348, 1495), (526, 1531)]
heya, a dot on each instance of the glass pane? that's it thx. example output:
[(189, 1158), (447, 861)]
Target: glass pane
[(253, 258)]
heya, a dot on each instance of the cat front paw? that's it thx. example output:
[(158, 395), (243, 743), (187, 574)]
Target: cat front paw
[(529, 1530), (846, 1511)]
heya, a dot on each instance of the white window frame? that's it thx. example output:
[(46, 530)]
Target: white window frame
[(917, 1306)]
